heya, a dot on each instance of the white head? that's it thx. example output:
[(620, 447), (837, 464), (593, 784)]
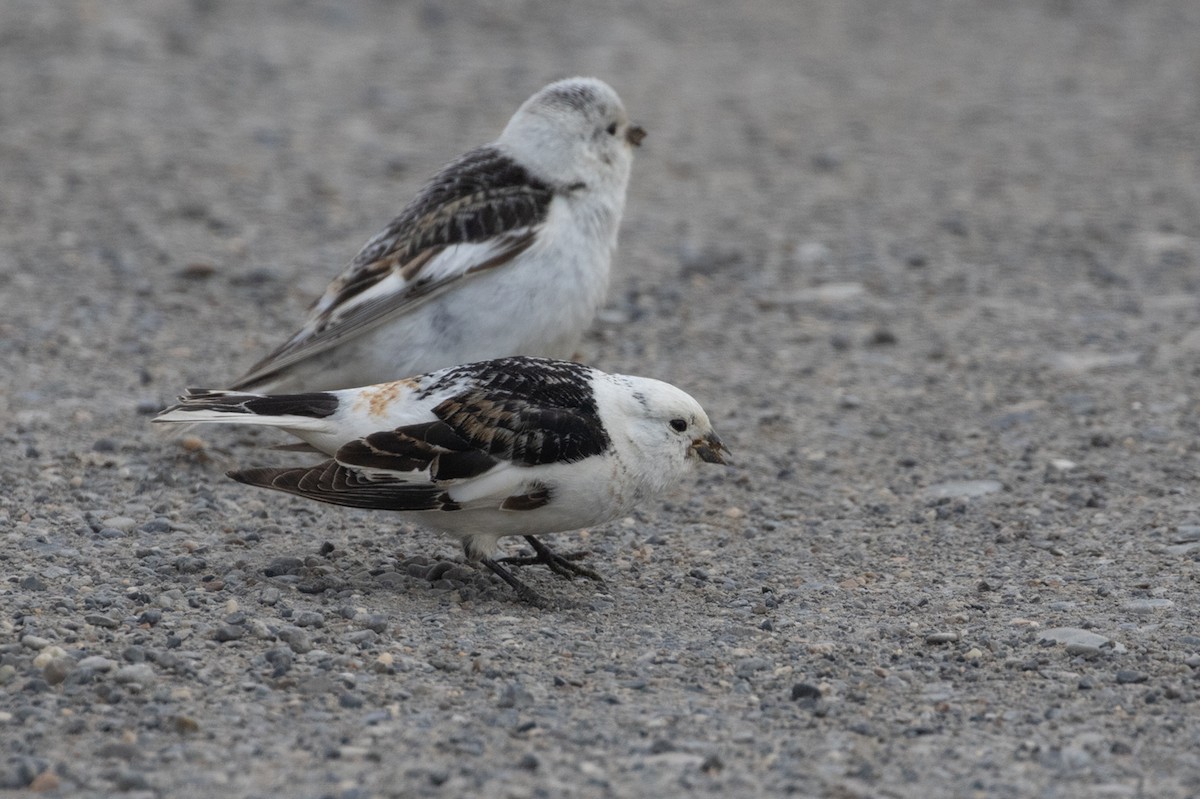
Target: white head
[(572, 132), (665, 427)]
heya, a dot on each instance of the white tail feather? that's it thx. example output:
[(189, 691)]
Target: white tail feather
[(211, 416)]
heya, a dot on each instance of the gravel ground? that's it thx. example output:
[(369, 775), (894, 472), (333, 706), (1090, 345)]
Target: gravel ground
[(931, 267)]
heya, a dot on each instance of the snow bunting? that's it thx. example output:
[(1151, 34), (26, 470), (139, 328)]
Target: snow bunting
[(514, 446), (506, 251)]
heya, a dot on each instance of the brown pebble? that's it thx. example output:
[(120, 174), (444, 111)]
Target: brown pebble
[(57, 670), (198, 270), (192, 443), (185, 724), (46, 781)]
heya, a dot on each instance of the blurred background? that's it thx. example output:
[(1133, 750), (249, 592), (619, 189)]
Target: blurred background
[(931, 266)]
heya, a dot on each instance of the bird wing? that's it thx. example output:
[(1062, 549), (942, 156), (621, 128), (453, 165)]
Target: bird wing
[(510, 414), (477, 214), (408, 469), (528, 411)]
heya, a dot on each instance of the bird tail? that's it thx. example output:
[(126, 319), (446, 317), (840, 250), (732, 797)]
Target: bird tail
[(290, 411)]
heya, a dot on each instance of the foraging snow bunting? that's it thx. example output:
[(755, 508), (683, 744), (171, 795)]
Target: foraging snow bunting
[(506, 251), (514, 446)]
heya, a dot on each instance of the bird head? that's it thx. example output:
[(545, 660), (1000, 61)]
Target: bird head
[(575, 134)]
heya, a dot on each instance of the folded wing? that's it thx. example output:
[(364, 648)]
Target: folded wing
[(477, 214), (483, 451)]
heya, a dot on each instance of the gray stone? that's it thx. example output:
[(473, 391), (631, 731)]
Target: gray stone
[(968, 489), (376, 622), (287, 564), (514, 694), (228, 632), (97, 663), (1078, 641), (309, 618), (1147, 606), (296, 638), (1187, 533), (1127, 676), (100, 620), (136, 673), (747, 667)]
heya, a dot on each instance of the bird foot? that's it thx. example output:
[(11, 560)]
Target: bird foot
[(524, 592), (562, 565)]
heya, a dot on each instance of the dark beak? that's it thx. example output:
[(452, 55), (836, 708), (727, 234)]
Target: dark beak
[(711, 449), (635, 134)]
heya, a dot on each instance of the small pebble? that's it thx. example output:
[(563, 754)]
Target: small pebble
[(137, 673), (287, 564), (159, 525), (48, 655), (804, 690), (1129, 676), (968, 489), (96, 663), (376, 622), (281, 659), (351, 701), (57, 670), (130, 780), (46, 781), (1147, 606), (309, 618), (1083, 643), (514, 694), (191, 443), (1187, 533), (228, 632), (296, 638)]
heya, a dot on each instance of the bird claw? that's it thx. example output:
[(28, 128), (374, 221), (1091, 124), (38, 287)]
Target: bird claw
[(562, 565), (524, 592)]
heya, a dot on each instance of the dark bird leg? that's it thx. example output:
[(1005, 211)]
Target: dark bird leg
[(524, 592), (562, 565)]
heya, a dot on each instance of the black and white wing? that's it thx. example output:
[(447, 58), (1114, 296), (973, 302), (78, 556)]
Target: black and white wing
[(512, 414), (477, 214)]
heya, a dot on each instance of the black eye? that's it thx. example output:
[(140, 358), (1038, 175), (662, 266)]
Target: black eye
[(678, 425), (611, 130)]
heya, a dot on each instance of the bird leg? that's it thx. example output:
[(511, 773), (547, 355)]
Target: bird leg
[(524, 592), (562, 565)]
